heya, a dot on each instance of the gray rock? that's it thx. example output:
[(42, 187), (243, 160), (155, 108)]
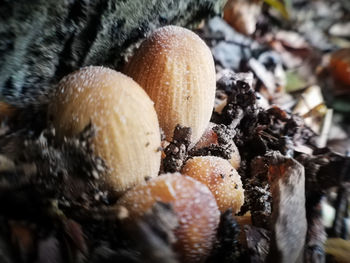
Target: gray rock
[(43, 40), (219, 27), (228, 55), (231, 47)]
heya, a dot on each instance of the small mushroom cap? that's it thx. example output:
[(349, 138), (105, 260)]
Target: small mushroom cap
[(127, 129), (176, 69), (210, 137), (193, 204), (220, 177)]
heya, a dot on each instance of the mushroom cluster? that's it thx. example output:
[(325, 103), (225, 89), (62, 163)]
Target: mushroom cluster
[(171, 82)]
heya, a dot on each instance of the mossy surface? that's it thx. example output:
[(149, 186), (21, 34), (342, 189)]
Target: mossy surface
[(43, 40)]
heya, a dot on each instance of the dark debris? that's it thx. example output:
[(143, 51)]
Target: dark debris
[(228, 247), (176, 151)]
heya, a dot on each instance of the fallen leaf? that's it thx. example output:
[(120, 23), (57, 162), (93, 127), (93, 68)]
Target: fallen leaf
[(294, 82), (279, 6), (339, 249)]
